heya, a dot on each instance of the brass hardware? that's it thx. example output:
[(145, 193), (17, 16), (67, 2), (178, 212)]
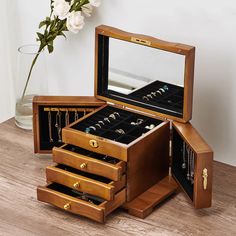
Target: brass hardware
[(83, 166), (93, 143), (76, 185), (67, 206), (204, 176), (141, 41)]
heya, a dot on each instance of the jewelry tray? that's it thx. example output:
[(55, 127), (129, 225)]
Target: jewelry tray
[(121, 122)]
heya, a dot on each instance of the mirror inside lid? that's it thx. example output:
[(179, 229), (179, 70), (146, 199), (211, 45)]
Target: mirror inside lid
[(144, 73)]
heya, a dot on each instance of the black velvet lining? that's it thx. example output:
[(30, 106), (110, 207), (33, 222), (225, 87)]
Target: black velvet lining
[(94, 155), (85, 174), (177, 160), (74, 193), (108, 130), (170, 103), (45, 143)]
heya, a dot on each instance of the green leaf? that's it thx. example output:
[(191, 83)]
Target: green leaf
[(50, 48), (41, 36), (62, 34), (42, 24)]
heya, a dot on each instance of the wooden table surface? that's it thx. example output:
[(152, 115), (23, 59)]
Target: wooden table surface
[(21, 214)]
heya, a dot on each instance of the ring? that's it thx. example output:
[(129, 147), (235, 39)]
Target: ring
[(150, 127), (101, 122), (139, 121), (165, 87), (98, 125), (159, 92), (92, 127), (106, 119), (120, 131), (112, 116), (145, 98), (154, 94), (162, 90), (149, 96), (116, 113)]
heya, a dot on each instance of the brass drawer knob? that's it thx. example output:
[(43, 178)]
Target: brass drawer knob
[(67, 206), (93, 143), (83, 165), (76, 185)]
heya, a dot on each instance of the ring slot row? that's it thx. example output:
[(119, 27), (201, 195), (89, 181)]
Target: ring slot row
[(116, 124)]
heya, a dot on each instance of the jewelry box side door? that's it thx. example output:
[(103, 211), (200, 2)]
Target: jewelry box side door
[(192, 164)]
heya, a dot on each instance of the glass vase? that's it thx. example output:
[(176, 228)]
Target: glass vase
[(29, 84)]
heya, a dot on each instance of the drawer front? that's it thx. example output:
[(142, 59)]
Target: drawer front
[(80, 207), (94, 143), (84, 184), (89, 164), (71, 204)]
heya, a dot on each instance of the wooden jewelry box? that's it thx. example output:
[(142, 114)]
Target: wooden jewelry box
[(136, 150), (52, 113)]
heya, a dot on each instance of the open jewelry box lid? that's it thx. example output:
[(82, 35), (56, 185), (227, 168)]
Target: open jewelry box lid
[(144, 73)]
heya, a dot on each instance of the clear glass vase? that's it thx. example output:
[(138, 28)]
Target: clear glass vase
[(28, 87)]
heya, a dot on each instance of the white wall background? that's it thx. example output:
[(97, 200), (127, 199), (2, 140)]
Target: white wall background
[(209, 25)]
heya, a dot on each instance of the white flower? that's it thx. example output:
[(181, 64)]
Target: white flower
[(87, 9), (61, 9), (95, 3), (75, 21)]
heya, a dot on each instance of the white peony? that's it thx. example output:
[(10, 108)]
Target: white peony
[(61, 9), (87, 9), (75, 21), (95, 3)]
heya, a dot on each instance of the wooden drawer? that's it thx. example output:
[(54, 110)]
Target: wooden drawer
[(68, 199), (102, 145), (114, 137), (91, 164), (84, 182)]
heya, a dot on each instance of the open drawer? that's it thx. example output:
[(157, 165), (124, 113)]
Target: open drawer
[(84, 182), (111, 131), (90, 162), (75, 202), (192, 161)]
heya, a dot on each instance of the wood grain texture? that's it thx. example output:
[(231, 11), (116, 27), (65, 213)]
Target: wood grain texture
[(77, 206), (148, 161), (93, 165), (84, 184), (21, 214), (145, 203), (203, 159)]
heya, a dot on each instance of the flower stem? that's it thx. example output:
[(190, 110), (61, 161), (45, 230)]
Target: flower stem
[(29, 75)]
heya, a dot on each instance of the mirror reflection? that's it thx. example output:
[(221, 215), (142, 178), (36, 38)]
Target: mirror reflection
[(133, 66), (146, 76)]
